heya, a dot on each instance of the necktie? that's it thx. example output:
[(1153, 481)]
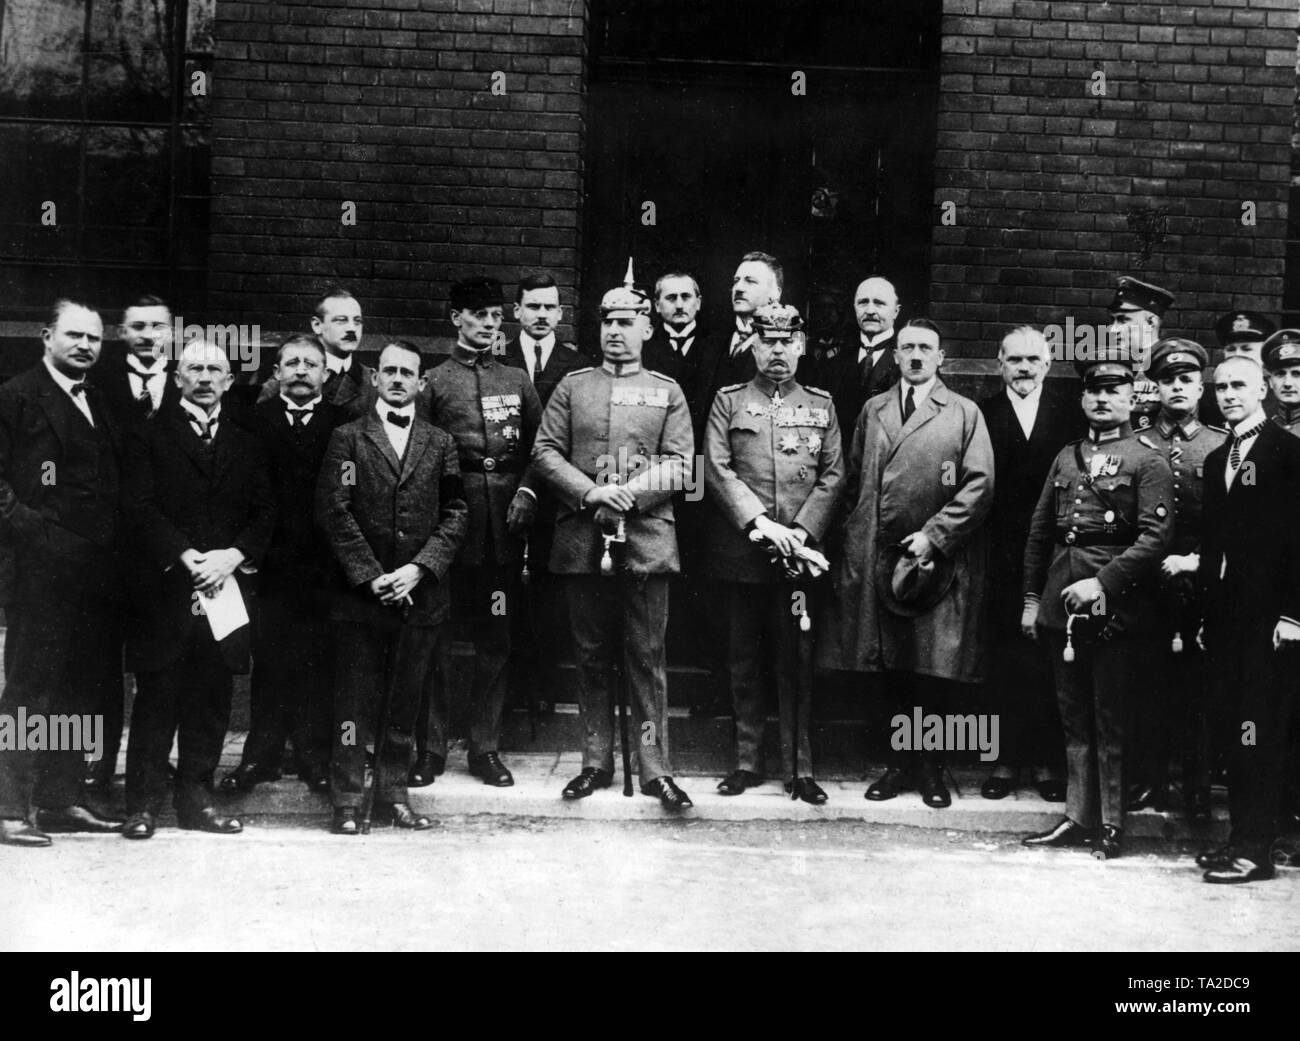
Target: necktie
[(737, 338), (537, 359), (398, 420), (145, 400), (1234, 456), (909, 404), (299, 416), (679, 344), (204, 428)]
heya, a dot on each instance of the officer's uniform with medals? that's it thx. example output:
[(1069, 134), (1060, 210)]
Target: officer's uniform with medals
[(492, 411), (1172, 708), (599, 421), (770, 450), (1104, 513)]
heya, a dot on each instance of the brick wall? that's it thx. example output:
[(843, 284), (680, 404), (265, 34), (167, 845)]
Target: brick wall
[(1196, 118), (388, 104)]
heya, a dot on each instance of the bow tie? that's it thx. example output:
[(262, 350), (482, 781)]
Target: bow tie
[(77, 388), (398, 420)]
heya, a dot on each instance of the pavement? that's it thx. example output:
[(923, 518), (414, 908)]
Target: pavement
[(539, 778)]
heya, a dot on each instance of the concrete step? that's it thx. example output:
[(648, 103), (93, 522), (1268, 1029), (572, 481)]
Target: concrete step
[(539, 778)]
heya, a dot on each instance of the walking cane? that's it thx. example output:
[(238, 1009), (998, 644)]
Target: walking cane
[(608, 568), (381, 726), (802, 681), (525, 579)]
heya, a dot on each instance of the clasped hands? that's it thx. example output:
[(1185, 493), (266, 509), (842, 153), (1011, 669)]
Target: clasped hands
[(210, 570), (396, 586), (610, 502)]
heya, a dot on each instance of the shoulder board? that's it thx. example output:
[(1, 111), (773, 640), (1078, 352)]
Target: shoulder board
[(660, 375), (571, 346), (734, 386), (818, 392), (1147, 441), (579, 372), (1218, 430)]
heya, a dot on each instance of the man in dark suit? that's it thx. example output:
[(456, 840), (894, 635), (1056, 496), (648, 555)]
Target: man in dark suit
[(1240, 334), (758, 281), (492, 412), (59, 520), (199, 505), (539, 628), (857, 370), (349, 383), (1250, 583), (136, 383), (293, 681), (392, 505), (680, 351), (1028, 425)]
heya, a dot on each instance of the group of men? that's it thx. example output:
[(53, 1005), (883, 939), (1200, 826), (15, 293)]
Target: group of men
[(856, 514)]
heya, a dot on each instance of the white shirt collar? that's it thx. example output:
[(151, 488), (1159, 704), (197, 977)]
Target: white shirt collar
[(920, 391), (290, 403), (198, 413), (1256, 420), (63, 381), (136, 365), (872, 343), (1030, 400), (383, 408), (336, 364), (685, 334), (545, 344)]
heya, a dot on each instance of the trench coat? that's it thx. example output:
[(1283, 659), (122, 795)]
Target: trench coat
[(933, 475)]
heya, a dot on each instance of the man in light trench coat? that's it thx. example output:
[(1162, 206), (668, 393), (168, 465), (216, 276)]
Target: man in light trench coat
[(911, 580)]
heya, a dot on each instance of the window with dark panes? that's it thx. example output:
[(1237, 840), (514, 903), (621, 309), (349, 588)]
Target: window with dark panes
[(104, 148)]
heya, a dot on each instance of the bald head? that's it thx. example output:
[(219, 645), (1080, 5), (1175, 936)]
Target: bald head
[(1240, 389), (203, 374), (875, 305)]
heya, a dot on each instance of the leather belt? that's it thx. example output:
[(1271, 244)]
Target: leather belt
[(490, 464), (1119, 539)]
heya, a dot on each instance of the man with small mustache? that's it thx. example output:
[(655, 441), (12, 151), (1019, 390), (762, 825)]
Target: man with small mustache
[(349, 383)]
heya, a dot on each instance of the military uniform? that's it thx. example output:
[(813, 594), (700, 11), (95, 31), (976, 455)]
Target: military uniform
[(769, 451), (492, 411), (1104, 513), (1172, 705), (1235, 330), (599, 424), (1133, 296)]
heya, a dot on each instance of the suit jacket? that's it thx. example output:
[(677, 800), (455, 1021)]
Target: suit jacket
[(1250, 560), (1021, 466), (298, 555), (694, 373), (59, 482), (110, 375), (379, 513), (839, 372), (564, 358), (179, 495), (354, 392)]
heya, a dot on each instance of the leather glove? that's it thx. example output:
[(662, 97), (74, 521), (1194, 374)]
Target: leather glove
[(521, 513)]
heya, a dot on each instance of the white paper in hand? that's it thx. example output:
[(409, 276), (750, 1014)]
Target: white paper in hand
[(225, 611)]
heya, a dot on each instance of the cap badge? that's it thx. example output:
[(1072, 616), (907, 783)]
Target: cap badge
[(1240, 324)]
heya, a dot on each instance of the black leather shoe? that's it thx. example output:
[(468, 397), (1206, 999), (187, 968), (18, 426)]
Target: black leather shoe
[(997, 787), (1065, 834), (934, 793), (345, 821), (1198, 805), (140, 825), (76, 818), (1051, 789), (428, 765), (890, 783), (489, 769), (587, 782), (1241, 869), (207, 819), (1285, 851), (1109, 842), (808, 790), (402, 816), (22, 833), (737, 781), (246, 777), (663, 789), (1219, 857)]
